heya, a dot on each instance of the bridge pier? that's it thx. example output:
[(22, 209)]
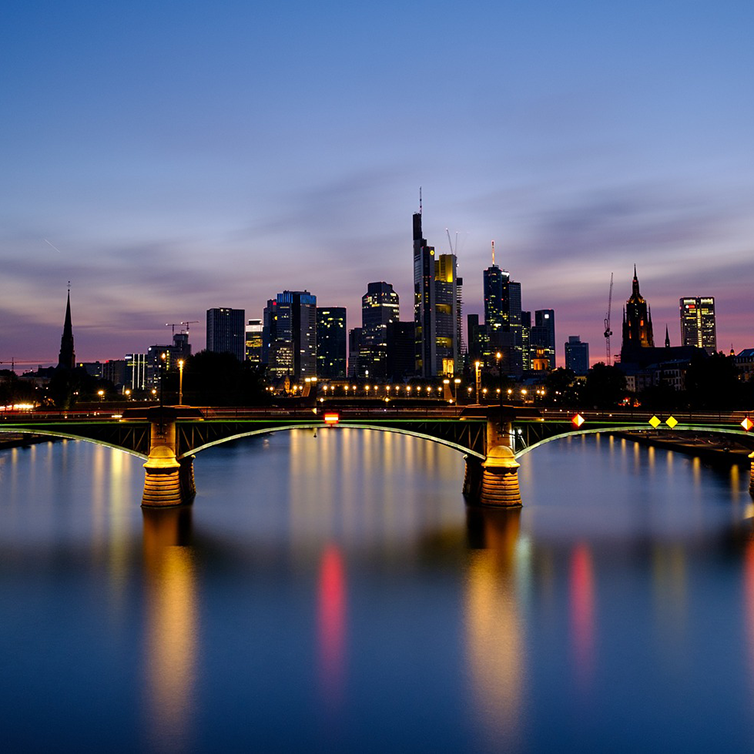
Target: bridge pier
[(494, 481), (751, 476), (167, 480)]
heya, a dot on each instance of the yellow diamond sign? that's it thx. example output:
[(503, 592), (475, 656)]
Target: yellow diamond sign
[(655, 422), (747, 424), (671, 422), (578, 420)]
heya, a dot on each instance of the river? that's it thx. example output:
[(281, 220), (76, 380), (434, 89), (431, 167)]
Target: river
[(332, 592)]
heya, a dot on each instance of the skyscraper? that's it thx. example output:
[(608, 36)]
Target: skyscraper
[(542, 340), (331, 342), (698, 327), (637, 324), (226, 331), (67, 357), (448, 345), (254, 340), (290, 335), (424, 302), (379, 307)]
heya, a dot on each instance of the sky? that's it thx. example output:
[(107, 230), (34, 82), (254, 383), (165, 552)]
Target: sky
[(167, 157)]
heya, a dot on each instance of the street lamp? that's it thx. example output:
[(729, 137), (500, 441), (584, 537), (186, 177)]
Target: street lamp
[(163, 358), (477, 379), (180, 382), (101, 394)]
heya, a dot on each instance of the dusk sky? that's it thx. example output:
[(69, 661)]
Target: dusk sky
[(167, 157)]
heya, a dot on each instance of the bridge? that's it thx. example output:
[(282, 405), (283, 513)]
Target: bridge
[(491, 437)]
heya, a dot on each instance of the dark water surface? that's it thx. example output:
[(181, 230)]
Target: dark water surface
[(334, 593)]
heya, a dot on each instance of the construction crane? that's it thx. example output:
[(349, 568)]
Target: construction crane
[(608, 331), (172, 326), (190, 322)]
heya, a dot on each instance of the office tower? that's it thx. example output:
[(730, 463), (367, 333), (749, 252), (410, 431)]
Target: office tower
[(424, 302), (637, 324), (136, 371), (459, 322), (379, 306), (160, 358), (67, 357), (447, 348), (331, 342), (542, 340), (400, 350), (254, 341), (698, 327), (493, 279), (479, 348), (290, 330), (225, 331), (577, 355)]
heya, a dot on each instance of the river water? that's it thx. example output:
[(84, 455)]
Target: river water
[(333, 593)]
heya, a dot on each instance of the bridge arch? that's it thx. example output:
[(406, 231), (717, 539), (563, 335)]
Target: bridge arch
[(318, 426), (633, 428), (40, 432)]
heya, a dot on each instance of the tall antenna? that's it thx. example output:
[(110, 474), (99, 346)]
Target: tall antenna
[(608, 331), (493, 253), (420, 200)]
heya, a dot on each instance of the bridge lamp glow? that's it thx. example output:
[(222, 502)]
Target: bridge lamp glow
[(747, 424), (331, 419), (577, 420)]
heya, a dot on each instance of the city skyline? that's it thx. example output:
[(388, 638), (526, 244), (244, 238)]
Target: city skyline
[(169, 161)]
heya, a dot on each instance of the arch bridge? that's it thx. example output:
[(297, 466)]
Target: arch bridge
[(491, 437)]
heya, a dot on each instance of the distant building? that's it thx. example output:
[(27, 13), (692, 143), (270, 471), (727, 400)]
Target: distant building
[(379, 307), (354, 347), (400, 351), (254, 330), (542, 340), (226, 331), (424, 303), (136, 372), (448, 343), (161, 358), (745, 363), (290, 322), (698, 327), (332, 342), (577, 355)]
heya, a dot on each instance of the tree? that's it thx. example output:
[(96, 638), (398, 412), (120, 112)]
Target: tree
[(605, 386), (219, 379), (712, 382)]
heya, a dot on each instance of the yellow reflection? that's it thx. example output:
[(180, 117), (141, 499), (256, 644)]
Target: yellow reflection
[(171, 625), (670, 591), (735, 478), (494, 633)]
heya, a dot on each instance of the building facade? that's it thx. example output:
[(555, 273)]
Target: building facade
[(332, 342), (577, 355), (226, 331), (379, 307), (698, 326), (290, 335)]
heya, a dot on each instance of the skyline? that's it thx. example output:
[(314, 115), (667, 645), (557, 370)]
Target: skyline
[(168, 160)]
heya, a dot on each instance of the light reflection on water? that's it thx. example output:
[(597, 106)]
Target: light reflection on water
[(333, 591)]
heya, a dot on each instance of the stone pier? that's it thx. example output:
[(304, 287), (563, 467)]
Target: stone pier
[(494, 481), (168, 481), (751, 475)]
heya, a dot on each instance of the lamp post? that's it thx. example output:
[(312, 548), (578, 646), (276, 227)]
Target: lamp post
[(499, 357), (180, 382), (163, 356), (456, 383)]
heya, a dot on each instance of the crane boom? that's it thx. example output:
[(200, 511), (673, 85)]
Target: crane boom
[(608, 331)]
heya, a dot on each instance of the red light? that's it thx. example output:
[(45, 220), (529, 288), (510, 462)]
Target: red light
[(331, 419), (577, 420)]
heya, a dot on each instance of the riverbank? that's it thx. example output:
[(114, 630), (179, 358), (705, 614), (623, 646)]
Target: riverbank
[(713, 449)]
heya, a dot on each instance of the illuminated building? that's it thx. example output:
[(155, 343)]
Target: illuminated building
[(424, 303), (331, 342), (136, 371), (67, 357), (290, 335), (379, 307), (542, 340), (447, 343), (226, 331), (503, 317), (577, 355), (698, 327), (637, 324), (254, 330)]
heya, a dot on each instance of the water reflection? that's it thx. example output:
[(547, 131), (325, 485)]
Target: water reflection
[(494, 631), (582, 615), (332, 627), (171, 626)]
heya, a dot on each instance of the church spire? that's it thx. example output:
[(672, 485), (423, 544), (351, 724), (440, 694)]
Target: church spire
[(67, 358), (667, 337)]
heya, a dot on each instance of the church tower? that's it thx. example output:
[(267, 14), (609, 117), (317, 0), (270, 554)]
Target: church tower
[(637, 323), (67, 358)]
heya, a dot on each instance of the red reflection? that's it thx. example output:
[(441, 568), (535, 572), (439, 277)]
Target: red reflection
[(582, 612), (332, 624)]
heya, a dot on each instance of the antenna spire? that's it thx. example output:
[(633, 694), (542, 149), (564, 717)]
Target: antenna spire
[(493, 253), (420, 200)]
